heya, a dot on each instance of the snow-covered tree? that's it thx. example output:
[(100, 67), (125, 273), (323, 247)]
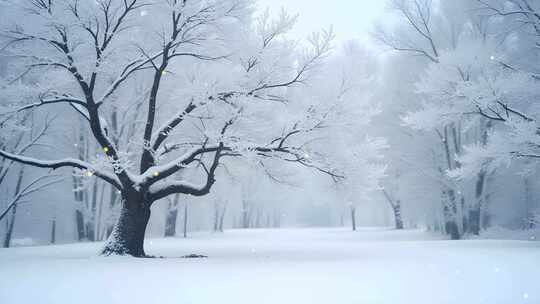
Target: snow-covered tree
[(506, 92), (477, 91), (22, 133), (226, 84)]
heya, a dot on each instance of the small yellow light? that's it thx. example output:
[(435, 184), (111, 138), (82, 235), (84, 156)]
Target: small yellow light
[(106, 149), (89, 173), (163, 72), (156, 174)]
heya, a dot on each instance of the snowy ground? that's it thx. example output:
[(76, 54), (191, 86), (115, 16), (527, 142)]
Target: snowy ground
[(297, 266)]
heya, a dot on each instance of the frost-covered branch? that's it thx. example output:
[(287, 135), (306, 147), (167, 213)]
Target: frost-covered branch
[(321, 46), (32, 187), (54, 100), (417, 15), (66, 162)]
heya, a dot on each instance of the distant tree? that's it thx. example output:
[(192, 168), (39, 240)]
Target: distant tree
[(452, 39), (396, 208), (17, 139), (507, 91)]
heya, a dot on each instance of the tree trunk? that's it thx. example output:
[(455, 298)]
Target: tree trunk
[(171, 217), (79, 220), (245, 214), (9, 231), (449, 196), (10, 227), (476, 210), (353, 218), (450, 212), (79, 191), (258, 218), (53, 231), (79, 204), (127, 237), (397, 215), (90, 231), (99, 214), (474, 220), (529, 214), (185, 218), (91, 225), (464, 216), (222, 218), (216, 217), (452, 229), (396, 207), (170, 222)]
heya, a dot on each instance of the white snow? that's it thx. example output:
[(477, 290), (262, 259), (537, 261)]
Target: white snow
[(280, 266), (22, 242)]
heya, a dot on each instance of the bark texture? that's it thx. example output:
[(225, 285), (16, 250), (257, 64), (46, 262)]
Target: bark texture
[(397, 215), (127, 237)]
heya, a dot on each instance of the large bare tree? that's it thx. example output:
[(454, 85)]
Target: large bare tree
[(102, 48)]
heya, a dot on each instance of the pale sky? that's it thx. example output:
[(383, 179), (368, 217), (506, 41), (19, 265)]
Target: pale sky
[(350, 18)]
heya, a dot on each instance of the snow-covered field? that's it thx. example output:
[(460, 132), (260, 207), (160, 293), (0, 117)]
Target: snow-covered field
[(311, 266)]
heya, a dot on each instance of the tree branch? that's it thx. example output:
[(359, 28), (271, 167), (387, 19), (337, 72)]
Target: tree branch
[(66, 162)]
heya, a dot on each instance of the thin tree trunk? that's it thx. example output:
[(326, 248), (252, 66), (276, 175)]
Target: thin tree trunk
[(449, 196), (222, 217), (258, 218), (79, 193), (171, 217), (353, 218), (465, 222), (450, 210), (216, 217), (245, 215), (397, 215), (396, 207), (529, 216), (53, 231), (99, 215), (91, 225), (79, 221), (79, 205), (9, 232), (11, 226), (475, 210), (185, 218)]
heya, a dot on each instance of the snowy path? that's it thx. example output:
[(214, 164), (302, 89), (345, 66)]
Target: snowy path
[(312, 266)]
